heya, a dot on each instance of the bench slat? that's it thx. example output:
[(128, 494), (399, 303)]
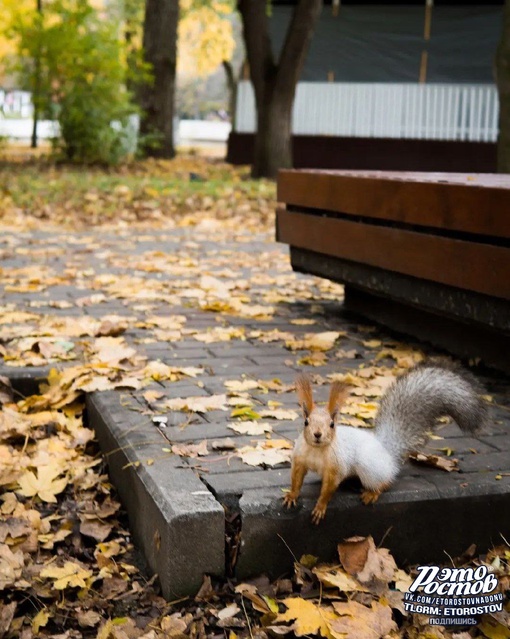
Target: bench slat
[(466, 265), (478, 204)]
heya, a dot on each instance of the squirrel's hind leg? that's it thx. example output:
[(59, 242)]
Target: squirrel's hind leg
[(370, 496), (376, 479)]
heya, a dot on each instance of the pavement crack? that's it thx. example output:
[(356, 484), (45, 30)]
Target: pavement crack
[(233, 526)]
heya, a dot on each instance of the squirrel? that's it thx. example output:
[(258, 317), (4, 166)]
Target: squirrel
[(431, 389)]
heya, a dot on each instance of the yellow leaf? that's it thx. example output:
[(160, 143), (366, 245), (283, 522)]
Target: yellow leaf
[(309, 618), (279, 413), (336, 577), (40, 620), (45, 484), (245, 413), (70, 575), (492, 629)]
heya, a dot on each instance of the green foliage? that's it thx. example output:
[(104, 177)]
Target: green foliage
[(74, 58)]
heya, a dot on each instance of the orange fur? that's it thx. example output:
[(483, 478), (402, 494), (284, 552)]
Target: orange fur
[(337, 396), (305, 394)]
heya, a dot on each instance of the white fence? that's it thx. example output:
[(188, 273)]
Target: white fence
[(419, 111), (187, 132)]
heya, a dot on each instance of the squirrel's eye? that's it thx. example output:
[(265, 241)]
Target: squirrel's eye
[(332, 424), (306, 422)]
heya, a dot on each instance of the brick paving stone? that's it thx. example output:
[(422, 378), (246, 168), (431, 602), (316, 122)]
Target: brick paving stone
[(177, 495)]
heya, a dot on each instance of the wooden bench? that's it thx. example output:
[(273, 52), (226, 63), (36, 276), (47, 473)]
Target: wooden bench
[(425, 253)]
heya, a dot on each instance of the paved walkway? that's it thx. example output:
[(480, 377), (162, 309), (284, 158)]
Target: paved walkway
[(225, 301)]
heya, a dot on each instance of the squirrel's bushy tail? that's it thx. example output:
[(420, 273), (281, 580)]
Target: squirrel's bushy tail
[(432, 389)]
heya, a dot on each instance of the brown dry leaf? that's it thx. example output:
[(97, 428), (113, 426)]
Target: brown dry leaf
[(12, 528), (373, 567), (11, 566), (372, 343), (350, 354), (161, 372), (448, 464), (198, 404), (266, 453), (336, 577), (6, 616), (308, 617), (356, 621), (95, 528), (250, 427), (191, 450), (6, 393), (112, 350), (315, 359), (174, 626), (279, 413), (404, 356), (226, 443), (219, 334), (315, 341), (239, 386), (88, 618)]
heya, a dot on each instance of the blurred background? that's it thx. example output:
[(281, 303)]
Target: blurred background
[(352, 85)]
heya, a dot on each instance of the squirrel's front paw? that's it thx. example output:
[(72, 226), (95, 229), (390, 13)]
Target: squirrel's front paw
[(290, 500), (318, 513)]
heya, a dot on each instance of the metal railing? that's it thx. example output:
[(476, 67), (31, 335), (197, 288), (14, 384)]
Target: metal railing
[(419, 111)]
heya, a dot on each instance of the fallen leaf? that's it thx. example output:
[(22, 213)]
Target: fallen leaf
[(373, 567), (250, 427), (70, 575), (191, 450), (40, 620), (356, 621), (308, 617), (6, 616), (198, 404), (336, 577), (241, 385), (279, 413), (11, 566), (45, 484), (436, 461), (88, 618)]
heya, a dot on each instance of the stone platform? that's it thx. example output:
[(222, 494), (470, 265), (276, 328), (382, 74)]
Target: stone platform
[(214, 513)]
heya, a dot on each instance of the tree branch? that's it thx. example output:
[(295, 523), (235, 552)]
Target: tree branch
[(296, 45), (258, 45)]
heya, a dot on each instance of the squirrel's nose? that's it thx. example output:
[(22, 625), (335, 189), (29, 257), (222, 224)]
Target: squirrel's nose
[(317, 436)]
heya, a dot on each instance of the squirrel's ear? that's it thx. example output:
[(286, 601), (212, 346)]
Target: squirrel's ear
[(304, 392), (337, 396)]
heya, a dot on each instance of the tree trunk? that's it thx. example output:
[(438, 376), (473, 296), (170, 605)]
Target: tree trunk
[(273, 141), (503, 82), (157, 97), (36, 95), (274, 83), (232, 84)]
